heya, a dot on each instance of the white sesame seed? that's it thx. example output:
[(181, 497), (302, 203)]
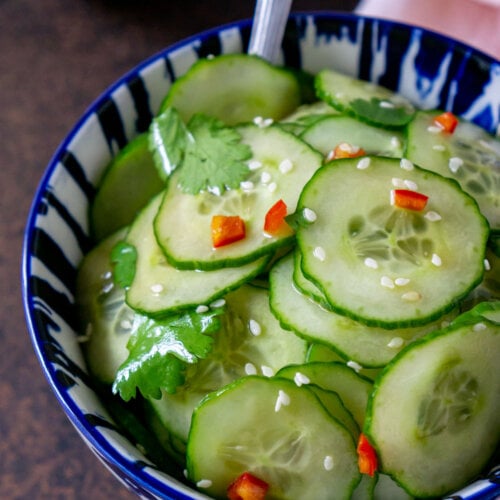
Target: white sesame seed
[(267, 122), (204, 483), (254, 164), (107, 288), (387, 282), (406, 164), (218, 303), (309, 215), (330, 156), (265, 177), (272, 187), (355, 366), (479, 327), (107, 275), (395, 343), (283, 399), (436, 260), (438, 147), (319, 253), (411, 185), (339, 95), (126, 324), (201, 309), (246, 185), (387, 104), (301, 379), (254, 327), (371, 263), (487, 265), (348, 148), (397, 182), (285, 166), (432, 216), (157, 288), (401, 281), (210, 56), (258, 120), (411, 296), (395, 142), (267, 371), (434, 129), (363, 164), (455, 163), (328, 462), (250, 369)]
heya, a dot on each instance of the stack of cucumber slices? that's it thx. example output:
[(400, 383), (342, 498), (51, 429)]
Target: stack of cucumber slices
[(352, 298)]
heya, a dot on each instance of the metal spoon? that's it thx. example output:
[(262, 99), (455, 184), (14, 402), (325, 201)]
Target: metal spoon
[(268, 28)]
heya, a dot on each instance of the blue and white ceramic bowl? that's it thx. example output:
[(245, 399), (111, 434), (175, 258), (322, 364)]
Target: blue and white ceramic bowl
[(433, 71)]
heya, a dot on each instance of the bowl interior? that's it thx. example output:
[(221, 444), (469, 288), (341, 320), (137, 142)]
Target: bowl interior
[(431, 70)]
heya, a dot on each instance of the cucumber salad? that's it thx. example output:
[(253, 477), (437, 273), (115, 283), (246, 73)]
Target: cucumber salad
[(294, 290)]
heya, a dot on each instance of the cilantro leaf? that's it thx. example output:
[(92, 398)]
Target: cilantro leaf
[(374, 111), (160, 349), (123, 258)]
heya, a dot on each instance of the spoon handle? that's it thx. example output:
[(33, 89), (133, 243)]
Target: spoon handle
[(268, 28)]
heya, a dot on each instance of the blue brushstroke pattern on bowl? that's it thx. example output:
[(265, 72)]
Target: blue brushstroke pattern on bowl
[(432, 70)]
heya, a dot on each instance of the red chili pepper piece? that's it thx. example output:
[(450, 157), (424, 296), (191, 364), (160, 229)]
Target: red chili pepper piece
[(227, 229), (367, 457), (345, 150), (275, 218), (447, 121), (247, 487), (411, 200)]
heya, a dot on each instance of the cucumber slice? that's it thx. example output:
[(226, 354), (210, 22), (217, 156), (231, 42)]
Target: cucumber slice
[(129, 182), (192, 249), (283, 435), (328, 132), (432, 399), (352, 388), (368, 101), (105, 317), (234, 88), (250, 341), (469, 155), (384, 265), (159, 289), (367, 346), (306, 115)]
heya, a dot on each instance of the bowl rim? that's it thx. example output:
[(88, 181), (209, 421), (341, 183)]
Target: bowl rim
[(71, 409)]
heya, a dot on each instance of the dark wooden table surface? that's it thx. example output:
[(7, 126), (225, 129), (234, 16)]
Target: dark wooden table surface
[(56, 56)]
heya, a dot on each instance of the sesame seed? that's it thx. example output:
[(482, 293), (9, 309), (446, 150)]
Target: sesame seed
[(397, 182), (487, 265), (432, 216), (395, 343), (328, 462), (371, 263), (319, 253), (438, 147), (455, 163), (406, 164), (411, 296), (202, 309), (411, 185), (267, 371), (436, 259), (363, 164), (309, 215), (348, 148), (250, 369), (265, 177), (355, 366), (107, 275), (157, 288), (218, 303), (267, 121), (254, 327), (126, 324), (387, 104), (395, 142), (246, 185), (301, 379), (272, 187), (479, 327), (107, 288), (387, 282), (254, 164), (282, 400), (330, 156), (204, 483), (433, 129), (401, 281), (285, 166)]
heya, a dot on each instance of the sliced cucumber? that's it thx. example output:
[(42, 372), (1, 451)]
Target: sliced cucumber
[(367, 346), (182, 226), (441, 394), (283, 435), (234, 88), (381, 264), (368, 101), (306, 115), (106, 318), (352, 388), (129, 182), (159, 289), (469, 154), (326, 133), (250, 341)]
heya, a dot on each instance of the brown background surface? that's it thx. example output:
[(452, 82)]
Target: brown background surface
[(56, 57)]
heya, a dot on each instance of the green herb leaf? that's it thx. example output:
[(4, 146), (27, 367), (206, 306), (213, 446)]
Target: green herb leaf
[(123, 258), (374, 111), (160, 349)]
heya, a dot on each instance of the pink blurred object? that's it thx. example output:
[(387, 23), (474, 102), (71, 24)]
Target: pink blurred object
[(475, 22)]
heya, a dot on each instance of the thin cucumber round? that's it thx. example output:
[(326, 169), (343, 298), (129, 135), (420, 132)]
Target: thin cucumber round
[(433, 413), (381, 264), (283, 435)]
